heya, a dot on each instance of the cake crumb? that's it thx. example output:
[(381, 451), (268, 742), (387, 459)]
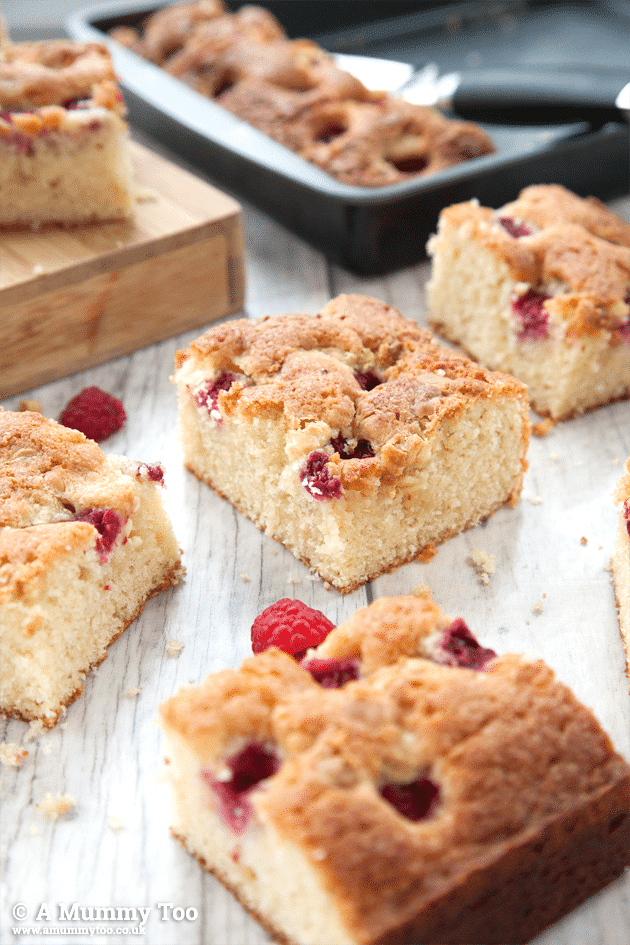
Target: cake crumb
[(534, 499), (115, 823), (326, 586), (145, 195), (429, 551), (133, 691), (422, 590), (174, 648), (542, 428), (483, 563), (245, 578), (12, 755), (55, 805), (554, 458), (33, 405), (273, 551), (537, 609), (583, 540)]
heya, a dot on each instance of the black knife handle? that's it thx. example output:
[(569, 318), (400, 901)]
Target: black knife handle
[(540, 96)]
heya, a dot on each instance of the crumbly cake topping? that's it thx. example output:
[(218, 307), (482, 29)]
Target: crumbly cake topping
[(357, 381), (293, 91), (575, 253), (493, 750), (56, 73)]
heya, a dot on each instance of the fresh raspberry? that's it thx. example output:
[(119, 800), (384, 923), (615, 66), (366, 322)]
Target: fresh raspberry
[(291, 626), (95, 413)]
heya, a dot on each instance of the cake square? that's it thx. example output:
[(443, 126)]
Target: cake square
[(350, 436), (63, 137), (84, 542), (437, 794), (620, 563), (539, 288)]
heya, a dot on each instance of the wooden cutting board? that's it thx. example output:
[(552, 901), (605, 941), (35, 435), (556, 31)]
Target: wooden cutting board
[(77, 296)]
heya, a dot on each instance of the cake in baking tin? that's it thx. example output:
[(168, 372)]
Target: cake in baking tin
[(401, 784), (539, 288), (293, 91), (84, 542), (63, 137), (350, 436)]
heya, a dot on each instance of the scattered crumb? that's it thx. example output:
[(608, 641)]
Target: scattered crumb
[(245, 578), (429, 551), (174, 648), (33, 405), (544, 595), (422, 590), (38, 269), (12, 755), (35, 729), (145, 195), (483, 563), (273, 551), (583, 540), (534, 499), (133, 691), (553, 457), (537, 609), (115, 823), (294, 580), (326, 586), (54, 805), (542, 428)]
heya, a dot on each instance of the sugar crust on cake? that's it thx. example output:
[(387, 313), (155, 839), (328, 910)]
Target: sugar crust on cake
[(393, 448), (530, 789), (68, 590), (63, 137), (293, 91), (577, 253)]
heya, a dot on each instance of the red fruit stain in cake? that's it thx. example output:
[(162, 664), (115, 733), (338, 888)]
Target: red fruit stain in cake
[(529, 309), (463, 649), (248, 767), (362, 450), (626, 512), (291, 626), (367, 380), (107, 523), (415, 800), (208, 396), (317, 480), (513, 228), (153, 472), (19, 142), (94, 413), (332, 674)]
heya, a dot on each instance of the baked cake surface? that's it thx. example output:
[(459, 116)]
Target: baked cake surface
[(621, 561), (63, 137), (350, 436), (84, 542), (293, 91), (443, 794), (539, 288)]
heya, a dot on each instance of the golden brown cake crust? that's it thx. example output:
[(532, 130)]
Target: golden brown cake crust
[(53, 72), (49, 473), (309, 368), (519, 762), (579, 244)]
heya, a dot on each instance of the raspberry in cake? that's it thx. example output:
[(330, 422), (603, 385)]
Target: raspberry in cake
[(350, 436), (63, 137), (84, 542), (424, 798), (541, 289), (620, 563), (294, 92)]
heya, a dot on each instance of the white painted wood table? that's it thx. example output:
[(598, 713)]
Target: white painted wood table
[(550, 595)]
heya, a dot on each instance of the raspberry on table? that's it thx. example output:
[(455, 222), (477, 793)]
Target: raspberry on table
[(95, 413), (291, 626)]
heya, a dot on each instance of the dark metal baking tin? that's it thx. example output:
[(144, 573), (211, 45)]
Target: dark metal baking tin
[(373, 231)]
